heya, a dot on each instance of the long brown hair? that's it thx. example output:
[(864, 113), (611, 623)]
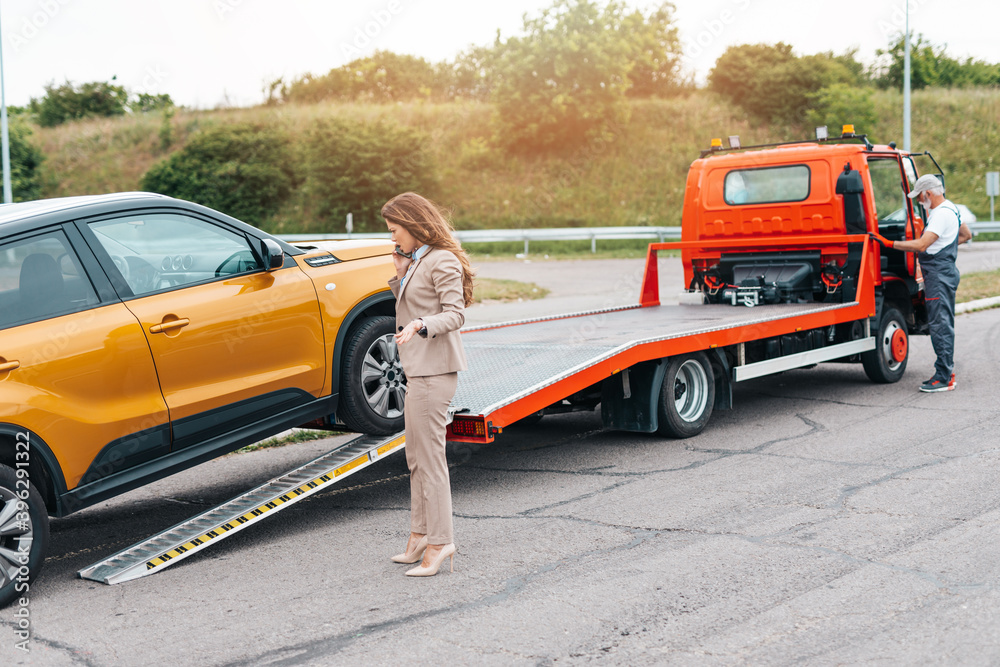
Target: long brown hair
[(429, 225)]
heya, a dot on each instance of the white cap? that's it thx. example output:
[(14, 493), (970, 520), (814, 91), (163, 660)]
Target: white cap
[(926, 183)]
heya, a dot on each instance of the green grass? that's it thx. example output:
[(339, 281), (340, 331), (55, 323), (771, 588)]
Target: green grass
[(980, 285), (610, 249), (636, 178), (495, 289), (302, 435)]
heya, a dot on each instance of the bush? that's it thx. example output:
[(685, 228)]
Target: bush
[(655, 52), (145, 102), (773, 84), (564, 82), (840, 104), (382, 77), (69, 102), (243, 170), (355, 168), (930, 65), (25, 160)]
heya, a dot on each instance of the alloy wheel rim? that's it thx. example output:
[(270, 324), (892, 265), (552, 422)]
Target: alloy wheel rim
[(16, 535), (382, 378)]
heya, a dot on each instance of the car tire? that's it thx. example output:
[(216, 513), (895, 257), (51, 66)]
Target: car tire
[(887, 362), (15, 530), (687, 396), (372, 382)]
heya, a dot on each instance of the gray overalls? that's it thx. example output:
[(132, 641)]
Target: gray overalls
[(940, 284)]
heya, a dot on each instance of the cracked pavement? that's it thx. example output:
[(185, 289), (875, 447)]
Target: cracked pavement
[(824, 520)]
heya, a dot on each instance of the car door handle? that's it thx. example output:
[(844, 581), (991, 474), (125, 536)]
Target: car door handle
[(9, 366), (164, 327)]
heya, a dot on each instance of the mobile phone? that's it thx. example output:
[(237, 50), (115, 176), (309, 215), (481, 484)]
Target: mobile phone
[(407, 255)]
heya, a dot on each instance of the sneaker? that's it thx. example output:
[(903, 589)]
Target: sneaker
[(934, 385)]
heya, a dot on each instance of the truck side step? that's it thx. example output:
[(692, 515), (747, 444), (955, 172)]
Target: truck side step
[(800, 359), (212, 526)]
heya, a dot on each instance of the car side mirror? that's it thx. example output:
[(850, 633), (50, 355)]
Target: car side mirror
[(274, 256)]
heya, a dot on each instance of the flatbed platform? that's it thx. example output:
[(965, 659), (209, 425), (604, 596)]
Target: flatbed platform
[(509, 361)]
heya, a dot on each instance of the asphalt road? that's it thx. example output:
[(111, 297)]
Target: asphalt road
[(824, 520)]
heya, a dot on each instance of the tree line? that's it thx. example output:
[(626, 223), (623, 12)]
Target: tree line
[(561, 84)]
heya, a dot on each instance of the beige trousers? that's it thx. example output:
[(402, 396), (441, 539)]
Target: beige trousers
[(426, 414)]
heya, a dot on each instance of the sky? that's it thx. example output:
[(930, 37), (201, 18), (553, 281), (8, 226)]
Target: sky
[(208, 53)]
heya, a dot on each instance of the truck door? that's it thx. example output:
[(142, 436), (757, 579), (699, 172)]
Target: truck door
[(893, 209)]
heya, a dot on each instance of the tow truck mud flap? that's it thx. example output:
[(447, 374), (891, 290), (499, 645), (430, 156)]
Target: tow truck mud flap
[(210, 527), (628, 398)]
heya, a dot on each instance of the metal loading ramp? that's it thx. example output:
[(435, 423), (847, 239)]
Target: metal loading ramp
[(212, 526), (511, 360)]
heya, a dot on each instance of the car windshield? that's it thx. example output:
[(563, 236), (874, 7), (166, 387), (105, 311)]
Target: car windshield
[(899, 215)]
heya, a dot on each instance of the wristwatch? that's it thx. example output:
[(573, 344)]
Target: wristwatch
[(422, 332)]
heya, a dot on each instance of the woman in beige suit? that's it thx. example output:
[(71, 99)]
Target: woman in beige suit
[(433, 285)]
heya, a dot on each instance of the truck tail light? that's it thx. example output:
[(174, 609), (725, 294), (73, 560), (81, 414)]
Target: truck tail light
[(474, 429)]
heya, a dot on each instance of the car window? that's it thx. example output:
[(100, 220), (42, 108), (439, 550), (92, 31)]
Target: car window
[(41, 277), (162, 251)]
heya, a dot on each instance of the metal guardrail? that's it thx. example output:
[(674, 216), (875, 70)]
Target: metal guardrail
[(592, 234), (984, 226)]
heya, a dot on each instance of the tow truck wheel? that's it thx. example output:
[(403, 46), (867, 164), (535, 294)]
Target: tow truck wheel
[(24, 535), (687, 396), (372, 384), (887, 362)]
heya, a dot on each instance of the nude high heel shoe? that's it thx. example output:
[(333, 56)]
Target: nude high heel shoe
[(432, 568), (411, 557)]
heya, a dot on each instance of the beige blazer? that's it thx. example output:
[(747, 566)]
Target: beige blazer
[(433, 293)]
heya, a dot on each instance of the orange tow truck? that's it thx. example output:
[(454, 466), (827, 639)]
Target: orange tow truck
[(782, 275)]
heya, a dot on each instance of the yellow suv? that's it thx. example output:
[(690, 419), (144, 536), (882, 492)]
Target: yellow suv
[(141, 335)]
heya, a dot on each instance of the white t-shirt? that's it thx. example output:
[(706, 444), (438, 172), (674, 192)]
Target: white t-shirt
[(943, 221)]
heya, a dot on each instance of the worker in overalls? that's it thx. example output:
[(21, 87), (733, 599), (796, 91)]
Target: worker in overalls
[(937, 250)]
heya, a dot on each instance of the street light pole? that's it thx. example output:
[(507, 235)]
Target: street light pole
[(906, 81), (4, 135)]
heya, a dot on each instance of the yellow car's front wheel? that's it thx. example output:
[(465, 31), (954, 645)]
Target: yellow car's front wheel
[(373, 385)]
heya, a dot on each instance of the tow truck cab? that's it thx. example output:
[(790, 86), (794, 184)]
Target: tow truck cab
[(799, 190)]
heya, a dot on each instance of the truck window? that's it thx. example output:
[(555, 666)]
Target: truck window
[(887, 187), (910, 171), (767, 185)]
